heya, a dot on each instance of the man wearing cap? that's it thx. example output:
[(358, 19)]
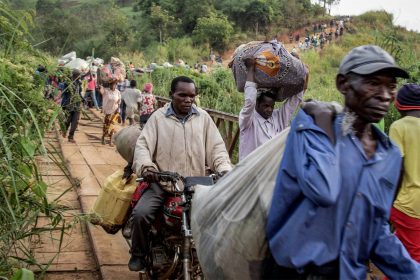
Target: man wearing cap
[(337, 180), (405, 214)]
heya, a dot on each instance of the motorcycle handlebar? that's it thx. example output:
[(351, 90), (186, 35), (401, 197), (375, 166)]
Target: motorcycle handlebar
[(168, 176)]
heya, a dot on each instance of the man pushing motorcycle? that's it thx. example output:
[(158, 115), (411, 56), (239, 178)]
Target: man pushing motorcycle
[(179, 137)]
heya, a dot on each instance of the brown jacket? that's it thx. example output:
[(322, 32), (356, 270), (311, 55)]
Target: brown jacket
[(168, 145)]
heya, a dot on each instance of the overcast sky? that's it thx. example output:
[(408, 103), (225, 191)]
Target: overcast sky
[(406, 12)]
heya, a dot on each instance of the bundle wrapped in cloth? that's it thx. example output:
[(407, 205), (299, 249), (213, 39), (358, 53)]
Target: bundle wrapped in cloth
[(228, 219), (275, 68), (125, 141), (115, 71)]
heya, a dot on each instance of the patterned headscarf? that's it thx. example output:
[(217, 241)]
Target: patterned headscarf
[(408, 97), (148, 87)]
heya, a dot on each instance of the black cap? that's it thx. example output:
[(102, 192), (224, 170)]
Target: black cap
[(368, 59)]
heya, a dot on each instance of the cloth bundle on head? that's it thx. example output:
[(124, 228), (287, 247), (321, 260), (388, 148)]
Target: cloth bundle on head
[(275, 68), (148, 87), (408, 98)]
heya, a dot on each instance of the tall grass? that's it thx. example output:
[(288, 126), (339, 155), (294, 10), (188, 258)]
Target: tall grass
[(24, 119)]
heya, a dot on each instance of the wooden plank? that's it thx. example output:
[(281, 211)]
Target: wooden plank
[(68, 261), (234, 143), (229, 133), (219, 122)]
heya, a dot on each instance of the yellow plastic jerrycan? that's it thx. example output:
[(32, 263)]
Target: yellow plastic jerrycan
[(113, 203)]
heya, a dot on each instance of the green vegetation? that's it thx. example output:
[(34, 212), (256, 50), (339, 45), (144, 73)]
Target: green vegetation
[(114, 27), (218, 88), (142, 32), (24, 119)]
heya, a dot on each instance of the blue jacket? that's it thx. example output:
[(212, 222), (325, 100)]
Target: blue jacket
[(333, 203)]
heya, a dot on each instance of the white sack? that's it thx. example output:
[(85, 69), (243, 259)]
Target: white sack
[(70, 56), (78, 64), (228, 219), (125, 141)]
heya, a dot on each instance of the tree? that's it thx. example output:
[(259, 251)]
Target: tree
[(118, 35), (328, 3), (191, 10), (260, 14), (163, 21), (215, 30)]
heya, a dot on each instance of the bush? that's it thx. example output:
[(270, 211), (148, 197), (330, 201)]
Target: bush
[(25, 116), (374, 19)]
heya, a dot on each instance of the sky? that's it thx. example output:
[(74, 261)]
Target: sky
[(406, 12)]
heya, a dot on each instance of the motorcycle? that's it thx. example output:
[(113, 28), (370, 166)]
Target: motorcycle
[(172, 252)]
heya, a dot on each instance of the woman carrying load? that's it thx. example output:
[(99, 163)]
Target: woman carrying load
[(111, 99)]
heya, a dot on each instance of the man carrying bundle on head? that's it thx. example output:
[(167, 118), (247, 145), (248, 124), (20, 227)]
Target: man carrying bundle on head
[(258, 120)]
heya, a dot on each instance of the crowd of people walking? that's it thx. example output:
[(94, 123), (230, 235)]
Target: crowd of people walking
[(339, 176)]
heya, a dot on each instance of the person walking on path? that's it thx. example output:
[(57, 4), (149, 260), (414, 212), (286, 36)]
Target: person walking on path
[(71, 100), (337, 180), (148, 103), (111, 100), (258, 121), (188, 142), (90, 91), (405, 214), (122, 86), (132, 98)]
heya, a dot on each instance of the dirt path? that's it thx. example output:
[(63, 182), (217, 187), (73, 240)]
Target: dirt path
[(89, 252)]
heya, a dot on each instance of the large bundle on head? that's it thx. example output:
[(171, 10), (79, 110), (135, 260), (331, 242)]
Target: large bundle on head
[(125, 141), (275, 68), (114, 71), (228, 219)]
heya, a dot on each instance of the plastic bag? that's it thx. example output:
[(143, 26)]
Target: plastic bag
[(275, 68), (125, 141), (70, 56), (66, 58), (228, 219), (78, 64), (113, 204)]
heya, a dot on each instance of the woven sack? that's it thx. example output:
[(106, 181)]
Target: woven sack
[(275, 68)]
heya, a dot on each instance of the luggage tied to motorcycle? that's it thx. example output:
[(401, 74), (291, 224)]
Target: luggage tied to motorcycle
[(229, 218), (125, 141), (113, 205), (275, 68)]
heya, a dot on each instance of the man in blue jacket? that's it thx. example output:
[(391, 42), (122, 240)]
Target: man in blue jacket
[(337, 180)]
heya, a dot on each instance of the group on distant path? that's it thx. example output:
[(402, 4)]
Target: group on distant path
[(118, 101)]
